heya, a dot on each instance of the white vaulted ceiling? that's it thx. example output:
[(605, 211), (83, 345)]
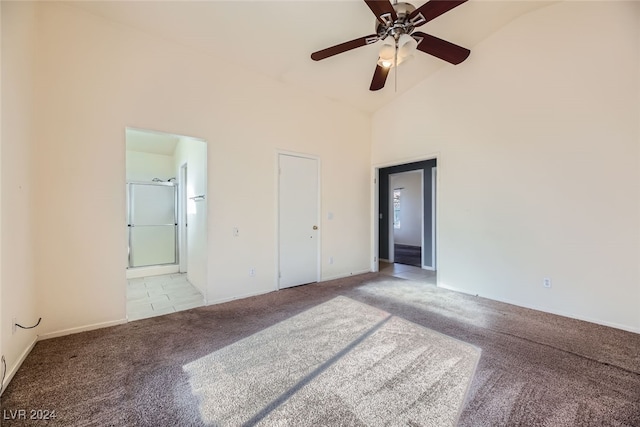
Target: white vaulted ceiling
[(276, 38)]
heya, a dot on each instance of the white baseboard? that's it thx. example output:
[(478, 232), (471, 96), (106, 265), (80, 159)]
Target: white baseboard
[(342, 276), (253, 294), (81, 329), (544, 310), (11, 372)]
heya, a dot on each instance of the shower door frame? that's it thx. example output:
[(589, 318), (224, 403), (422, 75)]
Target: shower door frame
[(131, 225)]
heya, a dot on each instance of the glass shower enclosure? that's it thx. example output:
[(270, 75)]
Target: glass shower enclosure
[(152, 223)]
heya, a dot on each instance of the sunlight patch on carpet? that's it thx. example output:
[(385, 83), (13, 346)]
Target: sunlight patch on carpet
[(340, 362), (424, 296)]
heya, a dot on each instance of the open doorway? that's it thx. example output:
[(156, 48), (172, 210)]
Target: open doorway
[(406, 235), (405, 220), (166, 223)]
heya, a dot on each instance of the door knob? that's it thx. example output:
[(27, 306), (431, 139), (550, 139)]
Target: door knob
[(315, 227)]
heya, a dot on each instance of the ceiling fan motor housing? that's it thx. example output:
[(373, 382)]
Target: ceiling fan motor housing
[(402, 25)]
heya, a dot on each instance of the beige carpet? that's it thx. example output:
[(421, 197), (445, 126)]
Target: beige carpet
[(536, 369), (341, 362)]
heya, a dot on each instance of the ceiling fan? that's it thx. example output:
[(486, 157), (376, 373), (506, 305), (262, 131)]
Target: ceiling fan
[(395, 25)]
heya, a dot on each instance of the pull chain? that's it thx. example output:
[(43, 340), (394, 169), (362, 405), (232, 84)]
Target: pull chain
[(395, 72)]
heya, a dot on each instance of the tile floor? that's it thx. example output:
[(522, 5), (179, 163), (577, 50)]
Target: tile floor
[(409, 272), (157, 295)]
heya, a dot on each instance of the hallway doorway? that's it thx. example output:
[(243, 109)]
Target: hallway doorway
[(417, 189), (406, 236)]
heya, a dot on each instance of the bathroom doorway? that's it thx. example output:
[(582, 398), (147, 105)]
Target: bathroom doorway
[(166, 260)]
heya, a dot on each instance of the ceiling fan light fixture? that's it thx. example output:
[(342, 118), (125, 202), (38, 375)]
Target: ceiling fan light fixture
[(406, 46), (388, 50)]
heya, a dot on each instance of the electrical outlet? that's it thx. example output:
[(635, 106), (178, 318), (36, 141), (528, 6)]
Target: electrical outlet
[(236, 232), (13, 325), (330, 260), (252, 272), (546, 282)]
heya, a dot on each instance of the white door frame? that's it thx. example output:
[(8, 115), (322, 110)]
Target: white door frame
[(434, 217), (375, 204), (277, 214)]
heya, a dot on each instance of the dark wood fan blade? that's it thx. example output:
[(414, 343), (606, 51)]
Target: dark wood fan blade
[(432, 9), (383, 9), (379, 77), (441, 48), (343, 47)]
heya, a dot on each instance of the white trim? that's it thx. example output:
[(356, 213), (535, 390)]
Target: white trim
[(544, 310), (431, 156), (276, 249), (375, 208), (391, 231), (228, 299), (342, 276), (23, 356), (318, 212), (319, 221), (79, 329), (422, 219), (434, 216)]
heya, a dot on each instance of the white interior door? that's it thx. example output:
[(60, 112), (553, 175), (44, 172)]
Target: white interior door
[(297, 220)]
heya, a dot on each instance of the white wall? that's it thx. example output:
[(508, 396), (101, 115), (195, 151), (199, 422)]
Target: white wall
[(17, 278), (410, 231), (1, 259), (194, 154), (147, 166), (1, 318), (95, 79), (538, 167)]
